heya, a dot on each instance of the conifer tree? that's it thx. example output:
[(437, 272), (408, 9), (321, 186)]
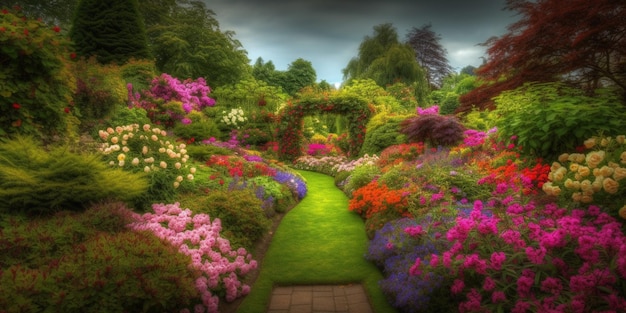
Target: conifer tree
[(111, 30)]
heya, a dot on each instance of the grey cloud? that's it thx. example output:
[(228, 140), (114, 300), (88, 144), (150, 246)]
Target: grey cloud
[(328, 32)]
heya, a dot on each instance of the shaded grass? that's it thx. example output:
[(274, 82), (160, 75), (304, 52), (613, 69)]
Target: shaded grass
[(317, 242)]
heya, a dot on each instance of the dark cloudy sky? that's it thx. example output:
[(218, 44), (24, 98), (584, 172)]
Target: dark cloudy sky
[(328, 32)]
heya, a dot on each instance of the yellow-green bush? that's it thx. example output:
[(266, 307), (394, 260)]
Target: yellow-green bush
[(36, 179)]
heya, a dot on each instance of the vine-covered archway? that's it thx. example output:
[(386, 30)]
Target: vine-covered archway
[(356, 109)]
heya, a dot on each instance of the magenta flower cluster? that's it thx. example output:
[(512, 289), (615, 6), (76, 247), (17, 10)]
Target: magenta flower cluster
[(199, 237), (317, 149), (475, 138), (430, 110), (193, 96), (533, 259)]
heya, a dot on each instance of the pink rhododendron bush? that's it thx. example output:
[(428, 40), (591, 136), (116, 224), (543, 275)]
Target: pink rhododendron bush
[(197, 236)]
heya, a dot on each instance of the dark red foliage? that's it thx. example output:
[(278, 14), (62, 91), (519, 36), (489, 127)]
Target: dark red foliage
[(434, 129), (582, 42)]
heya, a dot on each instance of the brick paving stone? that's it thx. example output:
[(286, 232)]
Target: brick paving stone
[(301, 297), (320, 299)]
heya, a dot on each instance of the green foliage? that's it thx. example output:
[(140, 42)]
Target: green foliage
[(139, 73), (202, 153), (383, 130), (99, 90), (433, 129), (243, 220), (37, 85), (482, 120), (384, 59), (356, 110), (454, 85), (250, 94), (188, 43), (361, 176), (112, 31), (38, 180), (200, 128), (148, 150), (90, 262), (549, 118), (300, 74), (126, 116)]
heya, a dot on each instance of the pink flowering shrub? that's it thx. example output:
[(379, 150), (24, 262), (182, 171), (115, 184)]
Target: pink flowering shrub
[(220, 268), (532, 259), (169, 100)]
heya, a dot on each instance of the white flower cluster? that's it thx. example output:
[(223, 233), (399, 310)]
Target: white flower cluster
[(234, 118), (147, 148)]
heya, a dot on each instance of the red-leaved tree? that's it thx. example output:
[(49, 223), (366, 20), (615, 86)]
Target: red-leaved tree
[(578, 41)]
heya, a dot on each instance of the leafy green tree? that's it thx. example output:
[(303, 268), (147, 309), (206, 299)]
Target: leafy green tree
[(384, 59), (455, 85), (113, 31), (250, 94), (265, 71), (189, 44), (469, 70), (299, 74)]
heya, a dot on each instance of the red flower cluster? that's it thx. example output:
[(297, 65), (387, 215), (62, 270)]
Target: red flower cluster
[(374, 198)]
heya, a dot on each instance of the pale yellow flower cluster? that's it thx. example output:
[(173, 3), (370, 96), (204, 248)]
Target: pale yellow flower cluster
[(584, 176), (156, 153)]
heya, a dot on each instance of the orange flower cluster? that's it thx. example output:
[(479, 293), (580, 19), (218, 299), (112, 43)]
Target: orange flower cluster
[(377, 197)]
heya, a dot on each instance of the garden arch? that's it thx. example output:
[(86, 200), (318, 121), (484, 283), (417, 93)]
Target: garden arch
[(356, 109)]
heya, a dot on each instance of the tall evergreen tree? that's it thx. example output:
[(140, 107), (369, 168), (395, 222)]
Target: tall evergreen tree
[(430, 54), (111, 30)]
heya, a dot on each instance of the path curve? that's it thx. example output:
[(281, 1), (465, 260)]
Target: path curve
[(322, 215)]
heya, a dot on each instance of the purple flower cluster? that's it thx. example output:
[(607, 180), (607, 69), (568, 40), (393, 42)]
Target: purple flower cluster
[(199, 237), (395, 249), (293, 182)]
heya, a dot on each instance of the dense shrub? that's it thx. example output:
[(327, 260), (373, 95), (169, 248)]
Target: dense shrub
[(597, 176), (90, 262), (243, 218), (433, 129), (361, 176), (550, 118), (199, 129), (38, 180), (37, 84), (148, 150), (100, 90), (382, 131)]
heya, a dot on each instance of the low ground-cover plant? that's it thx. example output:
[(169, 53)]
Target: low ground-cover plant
[(34, 179), (243, 217), (90, 261)]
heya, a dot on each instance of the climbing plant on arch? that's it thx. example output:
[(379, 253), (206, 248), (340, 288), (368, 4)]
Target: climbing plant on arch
[(356, 110)]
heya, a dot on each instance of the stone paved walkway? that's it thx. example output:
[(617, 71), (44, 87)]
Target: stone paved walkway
[(319, 299)]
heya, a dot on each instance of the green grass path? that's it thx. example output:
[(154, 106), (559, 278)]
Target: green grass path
[(317, 242)]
